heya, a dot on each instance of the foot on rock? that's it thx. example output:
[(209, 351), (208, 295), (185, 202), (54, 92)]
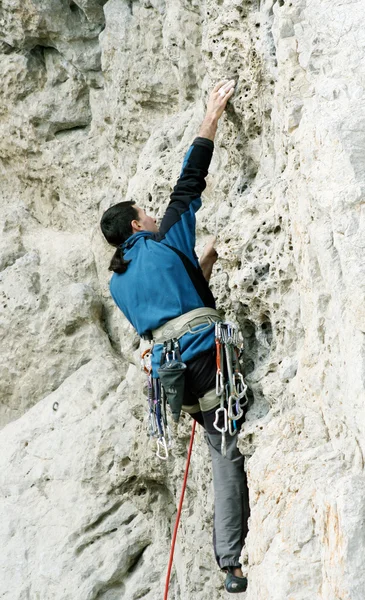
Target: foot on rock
[(234, 584)]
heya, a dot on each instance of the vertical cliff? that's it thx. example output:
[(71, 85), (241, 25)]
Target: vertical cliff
[(99, 102)]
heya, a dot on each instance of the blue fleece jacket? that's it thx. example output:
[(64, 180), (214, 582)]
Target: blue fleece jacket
[(163, 279)]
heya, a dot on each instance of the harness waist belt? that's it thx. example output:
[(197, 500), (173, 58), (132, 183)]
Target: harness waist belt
[(178, 327)]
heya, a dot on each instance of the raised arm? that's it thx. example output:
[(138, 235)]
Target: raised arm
[(178, 224), (217, 102)]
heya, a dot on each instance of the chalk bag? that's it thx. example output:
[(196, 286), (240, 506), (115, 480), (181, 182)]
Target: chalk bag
[(172, 376)]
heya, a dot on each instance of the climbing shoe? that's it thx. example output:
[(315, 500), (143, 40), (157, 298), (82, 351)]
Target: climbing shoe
[(234, 584)]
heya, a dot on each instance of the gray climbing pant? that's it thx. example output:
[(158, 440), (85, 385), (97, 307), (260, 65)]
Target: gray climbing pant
[(231, 501), (231, 506)]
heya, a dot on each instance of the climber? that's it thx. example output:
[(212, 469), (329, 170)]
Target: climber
[(163, 291)]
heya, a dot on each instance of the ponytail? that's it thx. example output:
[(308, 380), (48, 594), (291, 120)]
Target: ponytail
[(117, 263), (117, 228)]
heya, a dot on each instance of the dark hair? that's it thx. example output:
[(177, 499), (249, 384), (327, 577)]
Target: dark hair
[(116, 227)]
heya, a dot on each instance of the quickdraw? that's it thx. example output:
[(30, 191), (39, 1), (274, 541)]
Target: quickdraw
[(157, 416), (230, 385)]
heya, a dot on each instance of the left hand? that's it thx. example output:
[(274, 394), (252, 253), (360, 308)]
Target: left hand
[(219, 97)]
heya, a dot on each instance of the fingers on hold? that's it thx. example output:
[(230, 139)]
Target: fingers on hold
[(230, 85), (219, 85)]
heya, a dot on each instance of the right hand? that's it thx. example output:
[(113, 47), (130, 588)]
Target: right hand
[(209, 252), (219, 97), (208, 258)]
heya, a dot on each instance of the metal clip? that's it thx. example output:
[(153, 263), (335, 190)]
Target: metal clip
[(161, 444), (168, 355), (146, 361), (238, 413), (169, 437), (225, 420), (223, 445), (229, 367), (219, 385), (241, 384), (152, 430), (243, 401), (232, 427)]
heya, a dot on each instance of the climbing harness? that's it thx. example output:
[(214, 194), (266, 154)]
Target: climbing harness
[(157, 417), (168, 388), (230, 385), (178, 327)]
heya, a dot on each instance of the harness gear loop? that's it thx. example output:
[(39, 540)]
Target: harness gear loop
[(157, 418)]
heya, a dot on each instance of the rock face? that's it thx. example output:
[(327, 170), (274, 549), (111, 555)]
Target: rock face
[(99, 102)]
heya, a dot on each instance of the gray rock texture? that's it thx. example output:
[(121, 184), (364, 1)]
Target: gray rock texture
[(99, 102)]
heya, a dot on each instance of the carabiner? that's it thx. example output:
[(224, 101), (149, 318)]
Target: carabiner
[(225, 420), (152, 424), (219, 383), (243, 401), (161, 443), (146, 356), (241, 384), (232, 427), (229, 367), (223, 445), (239, 411)]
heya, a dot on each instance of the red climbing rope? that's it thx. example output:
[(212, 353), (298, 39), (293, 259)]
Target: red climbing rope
[(179, 512)]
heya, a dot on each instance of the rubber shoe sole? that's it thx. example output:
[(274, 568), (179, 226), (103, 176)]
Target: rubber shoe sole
[(235, 585)]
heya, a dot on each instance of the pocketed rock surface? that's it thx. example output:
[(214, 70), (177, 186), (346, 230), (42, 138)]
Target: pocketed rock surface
[(99, 102)]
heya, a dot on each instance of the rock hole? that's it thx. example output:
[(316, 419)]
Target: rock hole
[(129, 519)]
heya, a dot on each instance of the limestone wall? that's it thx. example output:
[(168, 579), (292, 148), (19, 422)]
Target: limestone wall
[(99, 102)]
